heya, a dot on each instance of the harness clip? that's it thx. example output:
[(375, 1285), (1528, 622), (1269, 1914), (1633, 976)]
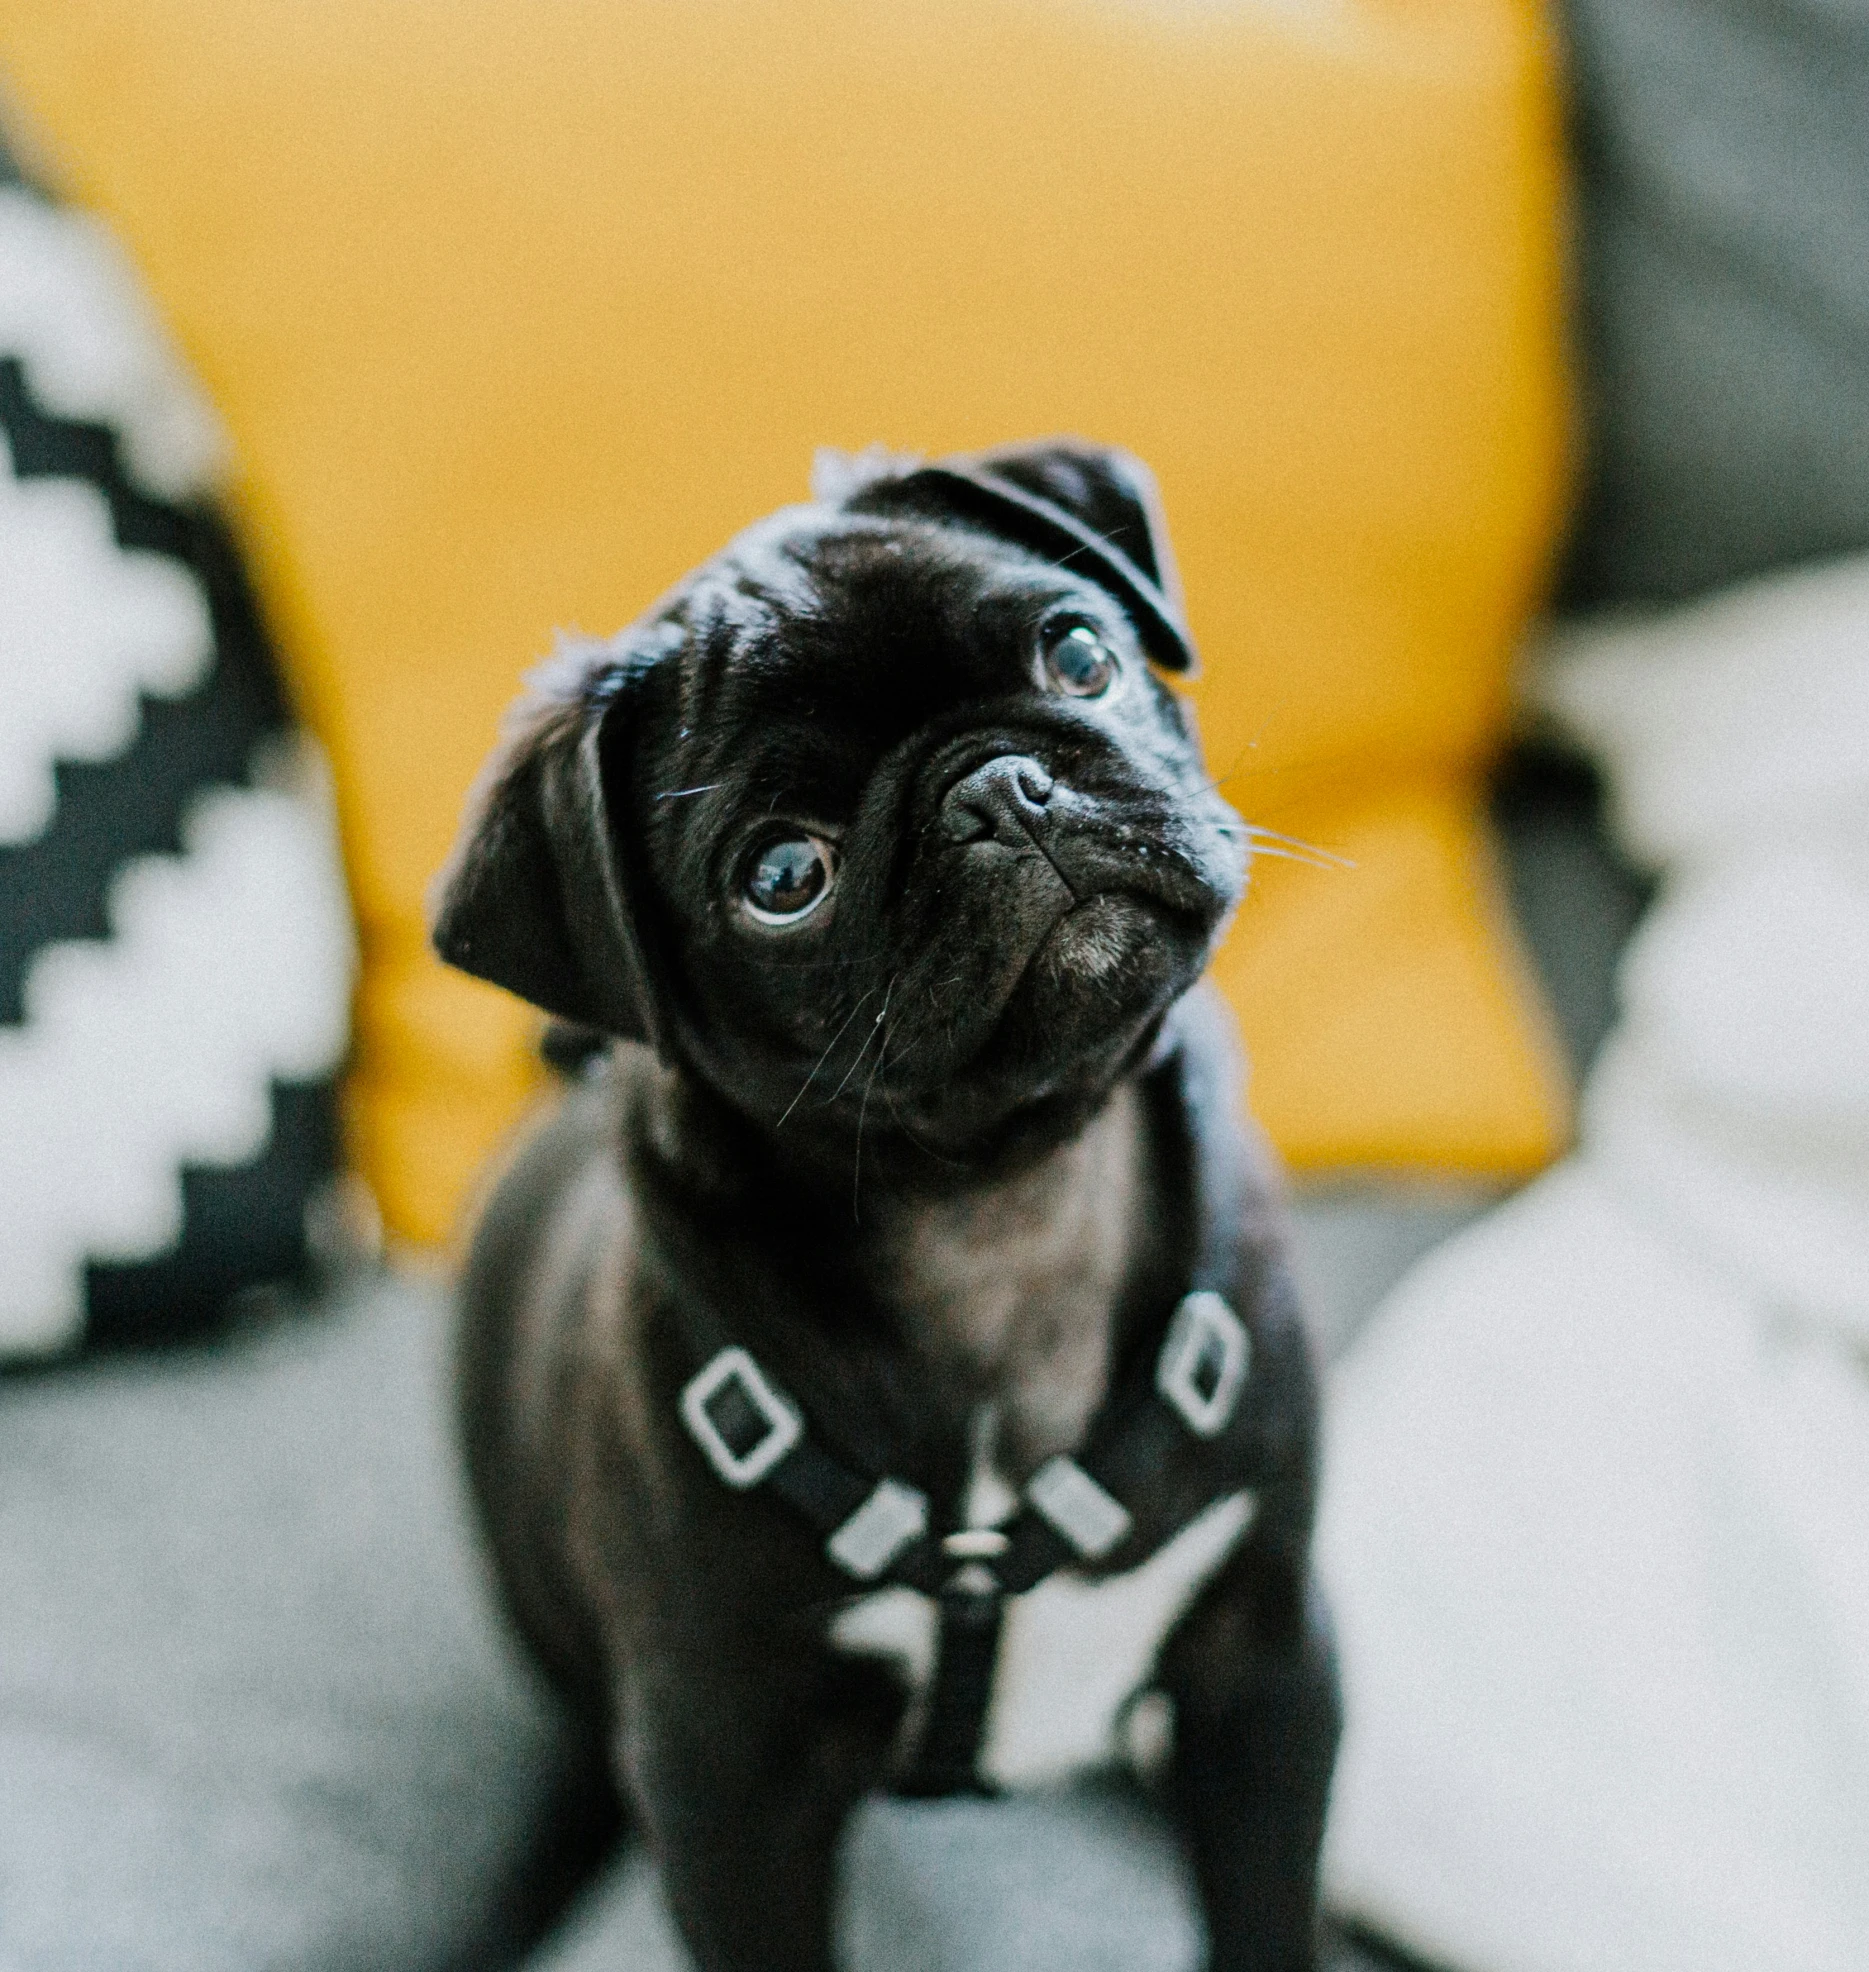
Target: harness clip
[(1092, 1520), (1202, 1367), (891, 1518), (738, 1419)]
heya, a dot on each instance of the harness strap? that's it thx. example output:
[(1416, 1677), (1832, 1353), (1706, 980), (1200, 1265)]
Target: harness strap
[(877, 1529), (947, 1760)]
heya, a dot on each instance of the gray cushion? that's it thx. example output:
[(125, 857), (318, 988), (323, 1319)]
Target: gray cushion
[(1723, 165), (254, 1711), (1087, 1881)]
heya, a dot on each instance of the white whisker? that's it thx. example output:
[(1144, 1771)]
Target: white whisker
[(824, 1057)]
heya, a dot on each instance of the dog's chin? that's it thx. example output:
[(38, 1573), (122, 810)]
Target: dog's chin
[(1097, 983), (1100, 952)]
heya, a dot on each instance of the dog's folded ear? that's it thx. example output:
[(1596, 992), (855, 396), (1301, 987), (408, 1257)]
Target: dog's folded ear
[(1111, 491), (536, 896), (1093, 508)]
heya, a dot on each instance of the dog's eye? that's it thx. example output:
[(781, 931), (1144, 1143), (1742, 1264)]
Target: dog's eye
[(1079, 662), (788, 878)]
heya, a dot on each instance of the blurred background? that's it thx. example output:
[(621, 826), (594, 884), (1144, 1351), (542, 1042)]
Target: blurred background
[(1505, 370)]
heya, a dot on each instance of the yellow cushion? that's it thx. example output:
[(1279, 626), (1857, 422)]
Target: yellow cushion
[(517, 308)]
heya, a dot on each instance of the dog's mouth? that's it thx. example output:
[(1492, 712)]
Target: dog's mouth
[(1093, 937), (1087, 951), (1052, 918), (1097, 963), (1113, 862)]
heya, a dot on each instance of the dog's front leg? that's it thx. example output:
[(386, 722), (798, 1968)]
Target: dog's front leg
[(743, 1783), (1252, 1674)]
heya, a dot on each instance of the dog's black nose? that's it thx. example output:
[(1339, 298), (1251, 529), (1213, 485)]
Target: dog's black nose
[(997, 802)]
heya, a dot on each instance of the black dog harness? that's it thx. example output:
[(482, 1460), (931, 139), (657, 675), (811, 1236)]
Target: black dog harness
[(877, 1530)]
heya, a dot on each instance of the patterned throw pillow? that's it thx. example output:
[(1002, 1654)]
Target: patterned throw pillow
[(175, 942)]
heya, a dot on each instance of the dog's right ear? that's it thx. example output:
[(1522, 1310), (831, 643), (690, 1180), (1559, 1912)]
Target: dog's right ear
[(1092, 508), (536, 896)]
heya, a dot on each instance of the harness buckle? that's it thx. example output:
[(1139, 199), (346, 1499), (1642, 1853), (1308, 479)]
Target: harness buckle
[(1092, 1520), (1202, 1367), (738, 1419), (894, 1515)]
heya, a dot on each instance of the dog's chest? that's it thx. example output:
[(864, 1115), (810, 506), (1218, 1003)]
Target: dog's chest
[(1012, 1294), (1013, 1299)]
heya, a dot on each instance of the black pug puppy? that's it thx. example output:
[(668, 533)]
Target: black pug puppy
[(882, 1369)]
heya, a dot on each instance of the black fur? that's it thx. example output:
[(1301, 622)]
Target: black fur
[(1028, 886)]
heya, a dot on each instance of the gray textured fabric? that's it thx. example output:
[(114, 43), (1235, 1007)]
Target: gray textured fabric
[(1574, 897), (1352, 1243), (1087, 1881), (1723, 166), (253, 1710), (256, 1710)]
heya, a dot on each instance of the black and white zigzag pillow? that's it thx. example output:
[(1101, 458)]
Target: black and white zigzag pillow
[(175, 940)]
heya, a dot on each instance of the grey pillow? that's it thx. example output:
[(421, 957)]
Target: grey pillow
[(1723, 182)]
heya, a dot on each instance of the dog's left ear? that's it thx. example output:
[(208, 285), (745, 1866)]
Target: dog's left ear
[(536, 896), (1092, 508), (1111, 491)]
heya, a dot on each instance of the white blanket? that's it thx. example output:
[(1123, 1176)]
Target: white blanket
[(1596, 1518)]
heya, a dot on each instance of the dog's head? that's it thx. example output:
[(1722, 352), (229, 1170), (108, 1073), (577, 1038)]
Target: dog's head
[(882, 816)]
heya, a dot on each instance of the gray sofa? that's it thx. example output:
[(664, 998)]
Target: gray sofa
[(256, 1709)]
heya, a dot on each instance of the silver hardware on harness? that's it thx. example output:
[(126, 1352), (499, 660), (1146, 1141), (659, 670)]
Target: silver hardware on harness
[(1089, 1518), (975, 1578), (975, 1544), (721, 1401), (1202, 1367), (886, 1522)]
